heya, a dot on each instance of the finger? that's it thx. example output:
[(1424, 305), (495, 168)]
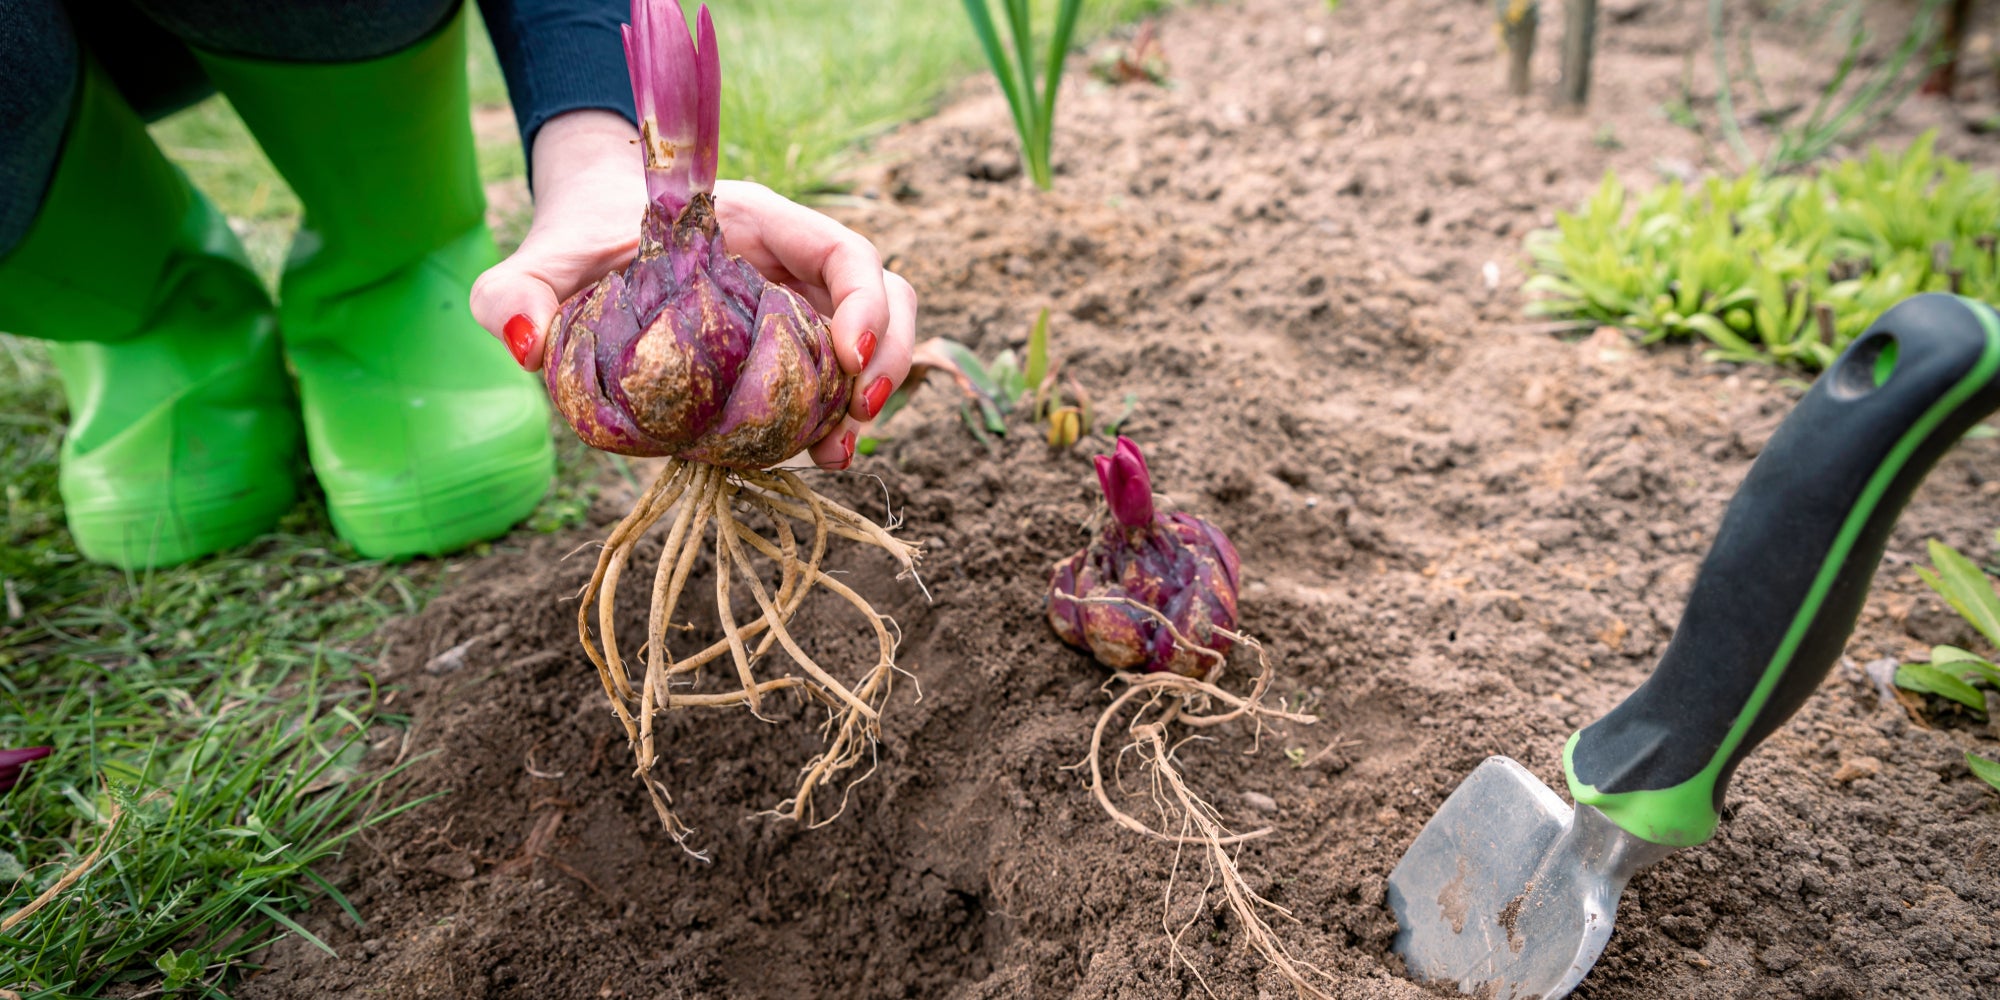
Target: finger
[(813, 294), (891, 363), (516, 305), (793, 244), (836, 450)]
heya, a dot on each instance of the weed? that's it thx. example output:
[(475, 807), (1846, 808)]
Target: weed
[(1955, 673), (1010, 384)]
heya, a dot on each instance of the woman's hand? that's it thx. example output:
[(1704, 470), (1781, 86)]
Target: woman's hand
[(590, 193)]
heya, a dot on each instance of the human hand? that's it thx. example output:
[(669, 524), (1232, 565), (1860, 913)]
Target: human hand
[(590, 192)]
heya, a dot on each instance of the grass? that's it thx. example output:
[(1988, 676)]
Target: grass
[(208, 718), (798, 106)]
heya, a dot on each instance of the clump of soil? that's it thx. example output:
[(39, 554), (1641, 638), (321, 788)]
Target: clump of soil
[(1460, 535)]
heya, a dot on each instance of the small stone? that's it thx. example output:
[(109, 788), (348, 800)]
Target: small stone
[(448, 661), (1882, 673), (1674, 168), (454, 865), (1855, 768), (1261, 802), (994, 164), (1609, 344)]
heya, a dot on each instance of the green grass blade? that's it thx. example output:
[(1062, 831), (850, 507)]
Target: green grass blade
[(293, 926), (1021, 26), (1059, 42), (339, 898), (1848, 61), (996, 57), (1987, 770)]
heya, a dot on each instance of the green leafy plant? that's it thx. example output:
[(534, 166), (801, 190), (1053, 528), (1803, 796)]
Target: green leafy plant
[(1031, 99), (1784, 268), (1008, 386), (1954, 673), (179, 968), (1142, 60)]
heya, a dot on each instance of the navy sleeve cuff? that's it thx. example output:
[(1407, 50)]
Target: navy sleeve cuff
[(560, 55)]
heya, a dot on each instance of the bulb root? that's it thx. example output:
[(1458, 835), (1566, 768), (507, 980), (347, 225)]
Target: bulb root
[(1166, 698), (704, 501)]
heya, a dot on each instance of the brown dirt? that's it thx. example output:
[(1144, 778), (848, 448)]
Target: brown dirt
[(1462, 537)]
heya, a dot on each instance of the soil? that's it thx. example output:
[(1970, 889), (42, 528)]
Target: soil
[(1461, 535)]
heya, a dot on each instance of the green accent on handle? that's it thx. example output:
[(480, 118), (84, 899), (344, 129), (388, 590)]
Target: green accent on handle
[(1685, 815), (1885, 363)]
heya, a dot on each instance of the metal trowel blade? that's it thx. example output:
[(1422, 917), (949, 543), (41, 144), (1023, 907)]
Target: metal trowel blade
[(1507, 891)]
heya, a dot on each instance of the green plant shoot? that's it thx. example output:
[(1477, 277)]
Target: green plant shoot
[(1955, 673), (1011, 384), (1031, 95), (1986, 770)]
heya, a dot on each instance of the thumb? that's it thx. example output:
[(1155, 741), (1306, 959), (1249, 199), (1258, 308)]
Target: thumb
[(516, 304)]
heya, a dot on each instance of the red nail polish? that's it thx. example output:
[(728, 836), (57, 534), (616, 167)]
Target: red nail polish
[(877, 394), (865, 347), (520, 337), (847, 441)]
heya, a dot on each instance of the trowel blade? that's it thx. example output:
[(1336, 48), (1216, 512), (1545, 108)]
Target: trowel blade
[(1507, 892)]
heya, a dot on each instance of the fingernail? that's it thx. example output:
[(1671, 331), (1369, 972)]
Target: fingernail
[(877, 394), (847, 448), (520, 336), (865, 347)]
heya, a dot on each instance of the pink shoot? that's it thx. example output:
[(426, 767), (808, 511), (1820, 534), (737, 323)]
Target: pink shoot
[(1128, 487), (677, 88)]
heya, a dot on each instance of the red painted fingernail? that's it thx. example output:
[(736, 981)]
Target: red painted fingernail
[(520, 337), (865, 347), (877, 394), (847, 441)]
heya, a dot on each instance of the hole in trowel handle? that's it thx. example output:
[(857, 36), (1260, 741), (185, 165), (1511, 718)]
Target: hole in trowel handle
[(1865, 368)]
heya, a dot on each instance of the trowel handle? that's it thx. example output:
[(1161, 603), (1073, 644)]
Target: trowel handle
[(1779, 591)]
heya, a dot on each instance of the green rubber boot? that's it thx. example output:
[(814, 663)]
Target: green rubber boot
[(424, 433), (182, 432)]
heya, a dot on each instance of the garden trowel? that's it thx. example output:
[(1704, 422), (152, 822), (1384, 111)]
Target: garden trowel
[(1508, 892)]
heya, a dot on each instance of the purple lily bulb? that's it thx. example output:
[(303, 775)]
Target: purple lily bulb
[(690, 351), (1178, 565)]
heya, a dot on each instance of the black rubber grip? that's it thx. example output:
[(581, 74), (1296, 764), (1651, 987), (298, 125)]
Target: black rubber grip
[(1798, 548)]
